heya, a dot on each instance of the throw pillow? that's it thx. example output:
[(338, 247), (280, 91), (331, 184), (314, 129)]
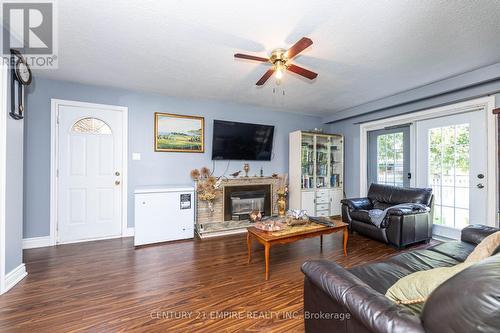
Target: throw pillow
[(416, 287), (485, 249)]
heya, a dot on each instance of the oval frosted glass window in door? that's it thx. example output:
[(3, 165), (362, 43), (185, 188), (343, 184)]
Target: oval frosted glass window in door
[(91, 126)]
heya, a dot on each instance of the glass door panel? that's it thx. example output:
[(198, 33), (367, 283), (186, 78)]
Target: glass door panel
[(451, 159), (307, 161), (449, 172), (336, 162), (322, 161), (389, 156)]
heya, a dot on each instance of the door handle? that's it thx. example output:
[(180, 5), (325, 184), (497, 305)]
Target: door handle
[(480, 186), (117, 182), (117, 173)]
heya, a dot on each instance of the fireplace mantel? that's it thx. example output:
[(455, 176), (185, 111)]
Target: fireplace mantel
[(212, 223)]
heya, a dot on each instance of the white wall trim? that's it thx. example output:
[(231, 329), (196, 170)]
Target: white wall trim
[(36, 242), (14, 276), (129, 232), (487, 103), (472, 79), (3, 164), (55, 104)]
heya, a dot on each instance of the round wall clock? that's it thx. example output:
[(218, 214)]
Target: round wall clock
[(23, 72)]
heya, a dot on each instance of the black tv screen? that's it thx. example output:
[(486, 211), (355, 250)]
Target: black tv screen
[(242, 141)]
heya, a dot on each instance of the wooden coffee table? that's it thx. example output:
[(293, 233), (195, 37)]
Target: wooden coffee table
[(292, 234)]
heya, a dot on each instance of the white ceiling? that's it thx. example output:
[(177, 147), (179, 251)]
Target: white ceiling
[(363, 49)]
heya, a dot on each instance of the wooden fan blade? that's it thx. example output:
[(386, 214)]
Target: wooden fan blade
[(265, 77), (298, 47), (250, 57), (302, 71)]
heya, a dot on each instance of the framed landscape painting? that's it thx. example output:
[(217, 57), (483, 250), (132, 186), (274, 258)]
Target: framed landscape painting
[(177, 133)]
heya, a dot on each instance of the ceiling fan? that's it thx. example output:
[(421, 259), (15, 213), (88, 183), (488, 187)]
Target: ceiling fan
[(280, 59)]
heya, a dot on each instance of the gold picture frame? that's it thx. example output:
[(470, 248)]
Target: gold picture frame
[(179, 133)]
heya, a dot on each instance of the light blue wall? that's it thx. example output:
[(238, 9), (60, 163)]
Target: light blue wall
[(14, 192), (154, 168), (350, 127)]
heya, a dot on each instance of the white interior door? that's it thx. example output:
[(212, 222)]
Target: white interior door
[(89, 173), (452, 159)]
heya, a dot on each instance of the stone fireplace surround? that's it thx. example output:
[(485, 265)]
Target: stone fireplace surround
[(218, 222)]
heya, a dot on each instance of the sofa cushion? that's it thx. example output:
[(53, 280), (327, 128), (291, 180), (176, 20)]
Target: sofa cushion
[(475, 233), (416, 287), (384, 194), (472, 296), (456, 250), (381, 276), (362, 215), (486, 248)]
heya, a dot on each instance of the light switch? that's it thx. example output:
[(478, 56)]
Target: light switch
[(136, 156)]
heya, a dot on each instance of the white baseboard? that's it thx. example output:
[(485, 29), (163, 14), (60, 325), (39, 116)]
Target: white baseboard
[(35, 242), (14, 276), (129, 232), (221, 233)]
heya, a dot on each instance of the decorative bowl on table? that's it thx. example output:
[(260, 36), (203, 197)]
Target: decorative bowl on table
[(270, 224), (296, 217)]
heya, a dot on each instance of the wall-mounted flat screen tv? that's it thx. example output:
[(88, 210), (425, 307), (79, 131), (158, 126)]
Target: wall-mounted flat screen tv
[(242, 141)]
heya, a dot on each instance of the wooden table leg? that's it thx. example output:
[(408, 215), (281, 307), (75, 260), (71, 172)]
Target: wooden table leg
[(267, 248), (321, 242), (346, 235), (249, 245)]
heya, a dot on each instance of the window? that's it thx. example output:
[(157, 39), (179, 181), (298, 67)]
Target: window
[(449, 169), (91, 126), (390, 159)]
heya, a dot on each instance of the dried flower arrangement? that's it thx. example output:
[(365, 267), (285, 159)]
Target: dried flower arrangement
[(207, 185)]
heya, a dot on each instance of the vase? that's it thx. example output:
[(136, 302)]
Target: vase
[(281, 204), (246, 168)]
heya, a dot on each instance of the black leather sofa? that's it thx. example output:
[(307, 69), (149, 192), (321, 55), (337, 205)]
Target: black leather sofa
[(467, 302), (404, 225)]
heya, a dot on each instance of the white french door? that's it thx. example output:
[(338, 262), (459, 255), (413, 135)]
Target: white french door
[(89, 181), (452, 160)]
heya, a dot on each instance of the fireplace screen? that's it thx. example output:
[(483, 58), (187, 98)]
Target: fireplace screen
[(243, 203)]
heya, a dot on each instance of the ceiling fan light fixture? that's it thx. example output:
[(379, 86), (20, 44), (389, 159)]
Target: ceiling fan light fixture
[(279, 71), (280, 60)]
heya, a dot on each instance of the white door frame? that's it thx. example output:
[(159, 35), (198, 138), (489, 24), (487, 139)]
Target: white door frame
[(487, 102), (3, 162), (54, 157)]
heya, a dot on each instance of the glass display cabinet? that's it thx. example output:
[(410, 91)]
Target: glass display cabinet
[(316, 172)]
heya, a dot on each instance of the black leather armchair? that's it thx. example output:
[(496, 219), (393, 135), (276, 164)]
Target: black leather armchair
[(353, 300), (407, 223)]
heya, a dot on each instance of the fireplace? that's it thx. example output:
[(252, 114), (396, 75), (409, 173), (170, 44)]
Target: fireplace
[(240, 201)]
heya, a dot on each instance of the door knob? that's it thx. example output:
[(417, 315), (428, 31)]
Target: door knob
[(480, 186), (480, 176), (117, 173), (117, 182)]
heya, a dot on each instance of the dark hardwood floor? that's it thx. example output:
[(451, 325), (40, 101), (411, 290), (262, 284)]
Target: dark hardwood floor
[(108, 286)]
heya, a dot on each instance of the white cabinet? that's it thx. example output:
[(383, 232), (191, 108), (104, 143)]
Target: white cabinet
[(316, 172), (335, 196), (163, 213), (307, 201)]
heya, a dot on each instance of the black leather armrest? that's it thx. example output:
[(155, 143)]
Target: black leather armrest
[(358, 203), (475, 233), (409, 209), (374, 310)]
